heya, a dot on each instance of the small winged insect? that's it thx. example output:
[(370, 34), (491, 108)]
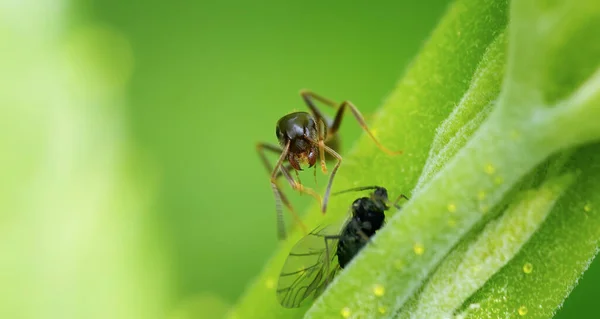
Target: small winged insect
[(317, 257), (303, 138)]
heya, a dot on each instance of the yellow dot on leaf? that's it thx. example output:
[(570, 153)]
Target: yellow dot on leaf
[(522, 310), (489, 169), (346, 312), (378, 290), (451, 207), (527, 268), (270, 283), (418, 249)]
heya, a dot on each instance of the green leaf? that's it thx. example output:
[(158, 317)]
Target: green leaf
[(546, 269), (471, 264), (488, 115)]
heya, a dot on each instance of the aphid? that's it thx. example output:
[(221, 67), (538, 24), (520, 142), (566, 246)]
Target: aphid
[(317, 257), (303, 138)]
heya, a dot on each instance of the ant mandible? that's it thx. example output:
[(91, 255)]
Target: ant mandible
[(304, 137)]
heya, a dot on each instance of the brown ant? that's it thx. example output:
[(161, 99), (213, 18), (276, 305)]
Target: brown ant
[(304, 137)]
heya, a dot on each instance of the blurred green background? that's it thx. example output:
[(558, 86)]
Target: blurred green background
[(129, 142)]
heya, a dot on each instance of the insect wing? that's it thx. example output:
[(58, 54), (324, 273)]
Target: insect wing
[(309, 268)]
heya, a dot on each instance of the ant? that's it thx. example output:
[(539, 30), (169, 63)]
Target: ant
[(303, 137)]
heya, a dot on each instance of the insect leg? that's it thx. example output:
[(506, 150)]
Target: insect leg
[(276, 172), (298, 179), (261, 148), (309, 96), (279, 170), (321, 119), (321, 129), (282, 172), (285, 172), (277, 193), (331, 177), (337, 121), (288, 168), (395, 204), (364, 236), (299, 187)]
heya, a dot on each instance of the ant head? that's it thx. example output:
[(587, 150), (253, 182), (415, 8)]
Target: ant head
[(299, 129)]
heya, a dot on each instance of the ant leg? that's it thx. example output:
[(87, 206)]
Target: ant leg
[(277, 192), (287, 203), (285, 172), (298, 179), (279, 195), (287, 168), (261, 147), (299, 187), (337, 121), (322, 122), (309, 96), (332, 176), (279, 170), (321, 130)]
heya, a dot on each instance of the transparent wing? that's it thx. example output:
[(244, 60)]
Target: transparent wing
[(310, 266)]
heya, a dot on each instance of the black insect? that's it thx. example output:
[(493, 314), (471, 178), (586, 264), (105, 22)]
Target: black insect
[(317, 257), (303, 138)]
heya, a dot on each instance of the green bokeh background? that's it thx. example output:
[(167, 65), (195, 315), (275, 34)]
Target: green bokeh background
[(210, 79)]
